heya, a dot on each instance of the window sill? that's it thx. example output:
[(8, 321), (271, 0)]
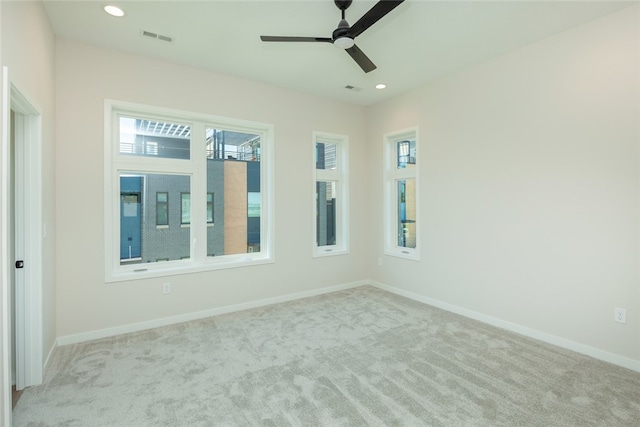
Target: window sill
[(325, 251), (406, 253), (186, 266)]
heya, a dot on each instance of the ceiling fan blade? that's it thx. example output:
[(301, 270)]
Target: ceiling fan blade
[(363, 61), (295, 39), (377, 12)]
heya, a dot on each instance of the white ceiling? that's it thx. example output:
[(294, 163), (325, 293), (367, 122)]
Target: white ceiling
[(416, 43)]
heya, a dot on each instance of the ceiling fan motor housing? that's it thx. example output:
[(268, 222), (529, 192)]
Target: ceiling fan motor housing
[(343, 4), (342, 30)]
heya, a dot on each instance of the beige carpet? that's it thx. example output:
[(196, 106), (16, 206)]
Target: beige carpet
[(351, 358)]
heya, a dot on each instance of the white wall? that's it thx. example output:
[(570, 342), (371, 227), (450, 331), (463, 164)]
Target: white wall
[(28, 50), (85, 76), (530, 202), (529, 187)]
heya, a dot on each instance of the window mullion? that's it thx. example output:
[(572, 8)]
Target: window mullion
[(328, 175), (198, 193)]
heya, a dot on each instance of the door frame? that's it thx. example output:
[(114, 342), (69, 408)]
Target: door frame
[(28, 236), (5, 251)]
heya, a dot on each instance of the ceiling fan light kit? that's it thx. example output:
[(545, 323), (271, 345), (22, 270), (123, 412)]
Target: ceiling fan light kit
[(344, 36), (344, 42)]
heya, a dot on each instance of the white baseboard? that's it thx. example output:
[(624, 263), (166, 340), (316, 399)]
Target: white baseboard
[(519, 329), (166, 321), (503, 324)]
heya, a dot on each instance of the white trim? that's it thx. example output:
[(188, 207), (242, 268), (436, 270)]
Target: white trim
[(29, 151), (22, 277), (596, 353), (166, 321), (5, 404), (528, 332)]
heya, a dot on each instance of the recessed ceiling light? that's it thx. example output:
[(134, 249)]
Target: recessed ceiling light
[(381, 86), (114, 10)]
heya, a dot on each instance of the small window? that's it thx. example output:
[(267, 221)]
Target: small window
[(406, 218), (185, 208), (331, 194), (162, 208), (209, 208), (406, 154), (326, 196), (253, 205), (326, 156), (401, 194), (154, 138)]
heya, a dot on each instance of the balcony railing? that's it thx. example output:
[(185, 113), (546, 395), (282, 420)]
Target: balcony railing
[(233, 155)]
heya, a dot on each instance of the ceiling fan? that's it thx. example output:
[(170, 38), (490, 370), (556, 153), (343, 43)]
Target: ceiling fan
[(343, 36)]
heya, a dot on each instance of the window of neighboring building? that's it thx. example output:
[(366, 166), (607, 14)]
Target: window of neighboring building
[(185, 209), (151, 148), (331, 194), (162, 170), (209, 208), (253, 205), (162, 208), (401, 194)]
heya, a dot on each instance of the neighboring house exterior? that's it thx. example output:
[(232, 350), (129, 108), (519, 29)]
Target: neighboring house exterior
[(155, 208), (325, 197)]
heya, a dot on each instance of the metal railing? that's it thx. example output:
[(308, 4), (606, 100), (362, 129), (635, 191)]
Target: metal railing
[(233, 155)]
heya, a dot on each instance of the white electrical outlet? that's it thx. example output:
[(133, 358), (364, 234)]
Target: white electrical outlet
[(166, 288), (620, 315)]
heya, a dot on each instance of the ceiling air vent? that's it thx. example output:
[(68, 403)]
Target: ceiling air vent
[(156, 36)]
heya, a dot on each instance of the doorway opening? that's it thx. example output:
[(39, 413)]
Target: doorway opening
[(25, 219)]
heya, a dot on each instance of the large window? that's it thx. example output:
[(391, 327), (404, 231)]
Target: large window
[(331, 194), (162, 171), (401, 194)]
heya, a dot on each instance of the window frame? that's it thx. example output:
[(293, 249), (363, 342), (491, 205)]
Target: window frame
[(196, 168), (341, 176), (392, 175)]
